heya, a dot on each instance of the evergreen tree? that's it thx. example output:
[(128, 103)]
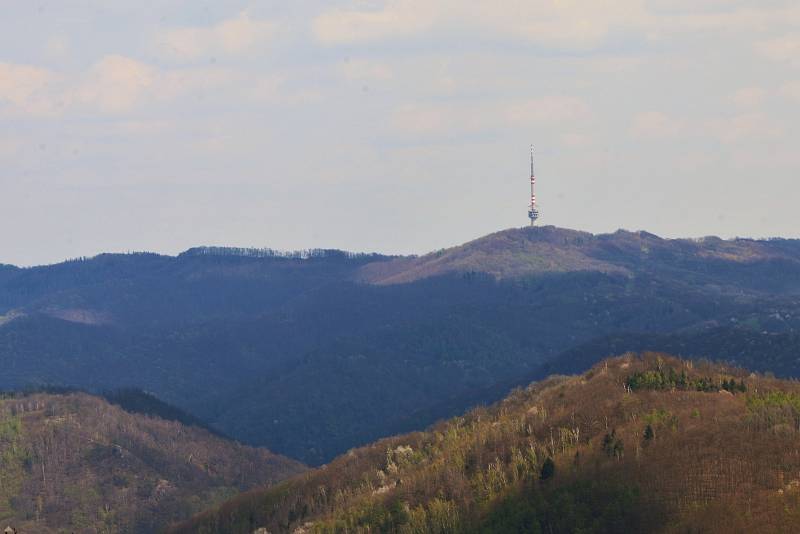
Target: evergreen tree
[(548, 469), (649, 433)]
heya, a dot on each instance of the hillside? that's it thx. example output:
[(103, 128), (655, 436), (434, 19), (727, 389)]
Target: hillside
[(511, 253), (73, 462), (305, 354), (644, 443), (523, 252)]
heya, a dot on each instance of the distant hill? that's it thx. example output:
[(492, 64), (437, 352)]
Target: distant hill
[(522, 252), (508, 254), (637, 444), (311, 353), (75, 463)]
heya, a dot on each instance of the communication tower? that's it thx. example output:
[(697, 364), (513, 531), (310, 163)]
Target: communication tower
[(533, 211)]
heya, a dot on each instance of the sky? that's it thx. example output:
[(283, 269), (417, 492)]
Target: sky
[(393, 126)]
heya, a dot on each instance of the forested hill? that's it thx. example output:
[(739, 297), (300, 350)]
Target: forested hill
[(75, 463), (644, 443), (311, 353), (521, 252)]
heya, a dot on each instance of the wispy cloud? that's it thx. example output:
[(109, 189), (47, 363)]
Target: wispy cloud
[(656, 124), (236, 35), (395, 19), (471, 117), (24, 89), (785, 48), (114, 84)]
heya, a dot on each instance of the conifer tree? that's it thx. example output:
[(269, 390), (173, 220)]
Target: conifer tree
[(548, 469), (649, 433)]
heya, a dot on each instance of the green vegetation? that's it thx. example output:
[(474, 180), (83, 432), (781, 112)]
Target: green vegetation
[(581, 506), (667, 378)]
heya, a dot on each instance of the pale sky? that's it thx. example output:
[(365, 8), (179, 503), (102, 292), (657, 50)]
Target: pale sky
[(399, 126)]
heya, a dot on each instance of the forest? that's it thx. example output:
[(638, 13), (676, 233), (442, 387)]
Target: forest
[(74, 462), (585, 453), (311, 353)]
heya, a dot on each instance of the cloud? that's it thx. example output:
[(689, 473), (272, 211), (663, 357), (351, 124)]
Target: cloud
[(56, 47), (572, 25), (446, 118), (656, 124), (574, 139), (116, 84), (748, 97), (745, 127), (363, 70), (396, 19), (143, 127), (24, 88), (233, 36), (790, 90), (547, 109), (569, 23), (783, 49), (9, 146)]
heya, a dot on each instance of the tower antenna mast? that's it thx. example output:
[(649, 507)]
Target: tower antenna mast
[(533, 211)]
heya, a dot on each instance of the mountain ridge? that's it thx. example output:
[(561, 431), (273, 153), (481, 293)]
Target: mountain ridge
[(306, 358)]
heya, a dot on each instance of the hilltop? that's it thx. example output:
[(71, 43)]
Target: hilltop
[(74, 462), (646, 443), (314, 352), (522, 252), (507, 254)]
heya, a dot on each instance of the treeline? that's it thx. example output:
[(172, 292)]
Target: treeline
[(304, 254), (664, 379), (134, 400)]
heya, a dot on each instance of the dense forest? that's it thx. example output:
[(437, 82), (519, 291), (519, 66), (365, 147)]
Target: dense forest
[(72, 462), (311, 353), (639, 443)]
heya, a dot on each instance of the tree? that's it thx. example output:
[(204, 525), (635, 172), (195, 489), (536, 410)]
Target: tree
[(548, 469), (649, 433), (612, 445)]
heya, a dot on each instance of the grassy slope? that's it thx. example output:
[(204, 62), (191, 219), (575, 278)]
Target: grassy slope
[(716, 461), (76, 462)]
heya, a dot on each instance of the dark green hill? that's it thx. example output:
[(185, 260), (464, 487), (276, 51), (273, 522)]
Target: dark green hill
[(638, 444), (313, 353)]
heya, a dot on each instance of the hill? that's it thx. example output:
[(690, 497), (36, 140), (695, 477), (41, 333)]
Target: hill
[(644, 443), (73, 462), (315, 352), (522, 252)]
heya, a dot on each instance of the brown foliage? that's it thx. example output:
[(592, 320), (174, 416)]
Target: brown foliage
[(715, 458), (76, 462)]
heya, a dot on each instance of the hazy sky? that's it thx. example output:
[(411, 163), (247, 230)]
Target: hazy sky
[(391, 126)]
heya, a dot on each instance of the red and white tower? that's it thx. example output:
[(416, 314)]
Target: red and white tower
[(533, 211)]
